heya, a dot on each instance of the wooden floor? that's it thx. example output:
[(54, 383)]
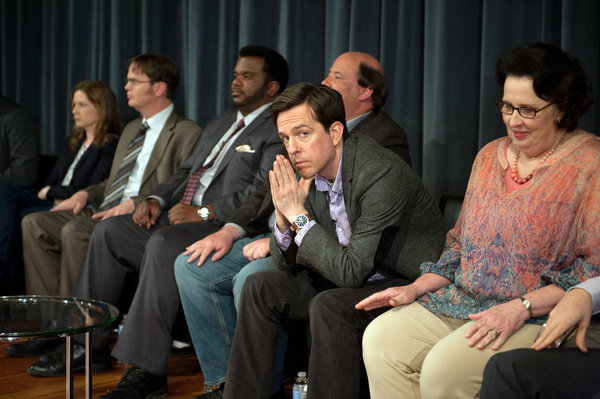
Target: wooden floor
[(184, 378)]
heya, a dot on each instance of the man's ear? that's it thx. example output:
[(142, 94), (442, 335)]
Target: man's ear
[(272, 88), (336, 132), (365, 93), (159, 89)]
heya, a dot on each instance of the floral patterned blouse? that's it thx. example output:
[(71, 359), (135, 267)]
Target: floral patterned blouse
[(506, 244)]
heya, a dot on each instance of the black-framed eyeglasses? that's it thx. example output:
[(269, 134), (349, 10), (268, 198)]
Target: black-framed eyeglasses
[(135, 82), (525, 112)]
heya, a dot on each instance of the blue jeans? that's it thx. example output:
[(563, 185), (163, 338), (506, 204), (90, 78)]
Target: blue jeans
[(207, 298)]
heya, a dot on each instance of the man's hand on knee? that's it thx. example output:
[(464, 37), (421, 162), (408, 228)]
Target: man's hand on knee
[(220, 243), (257, 249)]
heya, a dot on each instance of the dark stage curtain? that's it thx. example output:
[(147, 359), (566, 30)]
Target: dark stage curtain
[(438, 55)]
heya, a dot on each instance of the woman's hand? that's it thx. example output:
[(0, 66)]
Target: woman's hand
[(393, 296), (43, 193), (403, 295), (496, 324)]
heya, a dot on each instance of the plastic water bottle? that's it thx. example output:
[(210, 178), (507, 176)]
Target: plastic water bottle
[(300, 386)]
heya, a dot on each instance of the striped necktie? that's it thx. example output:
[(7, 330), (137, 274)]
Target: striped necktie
[(115, 191), (190, 189)]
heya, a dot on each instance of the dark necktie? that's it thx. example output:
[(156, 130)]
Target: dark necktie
[(115, 191), (190, 189)]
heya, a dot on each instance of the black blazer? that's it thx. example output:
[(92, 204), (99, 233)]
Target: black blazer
[(92, 168)]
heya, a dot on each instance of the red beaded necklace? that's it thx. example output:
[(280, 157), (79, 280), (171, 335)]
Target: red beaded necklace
[(514, 174)]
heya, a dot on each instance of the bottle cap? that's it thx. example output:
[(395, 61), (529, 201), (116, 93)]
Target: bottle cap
[(301, 373)]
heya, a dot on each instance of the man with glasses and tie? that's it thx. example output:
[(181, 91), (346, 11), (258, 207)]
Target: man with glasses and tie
[(150, 148), (234, 156)]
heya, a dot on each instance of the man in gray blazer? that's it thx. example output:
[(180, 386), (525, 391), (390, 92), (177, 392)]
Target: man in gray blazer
[(333, 232), (231, 159), (242, 245)]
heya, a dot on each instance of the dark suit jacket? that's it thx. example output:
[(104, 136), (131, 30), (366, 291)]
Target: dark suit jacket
[(18, 145), (253, 214), (380, 127), (238, 174), (176, 142), (92, 168), (384, 200)]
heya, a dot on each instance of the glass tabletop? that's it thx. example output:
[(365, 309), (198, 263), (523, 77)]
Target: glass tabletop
[(32, 317)]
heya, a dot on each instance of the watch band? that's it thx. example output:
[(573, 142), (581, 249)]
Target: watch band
[(295, 227)]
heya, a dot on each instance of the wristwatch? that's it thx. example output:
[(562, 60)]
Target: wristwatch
[(300, 221), (204, 213), (527, 305)]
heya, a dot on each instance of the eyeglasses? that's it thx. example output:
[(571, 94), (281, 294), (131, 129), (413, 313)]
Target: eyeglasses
[(135, 82), (525, 112)]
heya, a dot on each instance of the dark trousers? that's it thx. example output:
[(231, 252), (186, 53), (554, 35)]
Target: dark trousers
[(555, 373), (336, 332), (119, 246), (15, 202)]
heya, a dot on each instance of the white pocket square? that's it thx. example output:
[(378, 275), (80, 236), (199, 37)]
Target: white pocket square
[(244, 148)]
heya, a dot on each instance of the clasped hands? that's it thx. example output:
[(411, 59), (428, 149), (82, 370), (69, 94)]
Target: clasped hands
[(289, 194), (148, 211)]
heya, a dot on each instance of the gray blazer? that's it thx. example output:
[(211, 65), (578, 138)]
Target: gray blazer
[(387, 204), (238, 174)]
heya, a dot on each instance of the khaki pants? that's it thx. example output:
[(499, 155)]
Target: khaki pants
[(54, 247), (410, 352)]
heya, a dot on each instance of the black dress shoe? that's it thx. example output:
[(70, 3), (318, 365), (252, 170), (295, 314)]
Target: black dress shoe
[(33, 348), (139, 384), (54, 364)]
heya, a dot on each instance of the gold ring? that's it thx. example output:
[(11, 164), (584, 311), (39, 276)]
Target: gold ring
[(493, 330)]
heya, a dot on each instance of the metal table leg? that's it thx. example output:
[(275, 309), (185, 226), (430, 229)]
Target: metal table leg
[(69, 371), (88, 365)]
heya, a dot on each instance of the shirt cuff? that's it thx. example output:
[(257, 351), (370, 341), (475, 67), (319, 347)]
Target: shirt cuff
[(238, 228), (592, 287), (300, 235), (283, 239), (159, 199)]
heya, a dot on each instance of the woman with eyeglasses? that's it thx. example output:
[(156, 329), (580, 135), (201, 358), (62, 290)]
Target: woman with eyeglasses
[(528, 230), (85, 160)]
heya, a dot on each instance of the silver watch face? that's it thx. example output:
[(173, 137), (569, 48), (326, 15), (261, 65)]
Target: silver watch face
[(301, 221), (204, 213)]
